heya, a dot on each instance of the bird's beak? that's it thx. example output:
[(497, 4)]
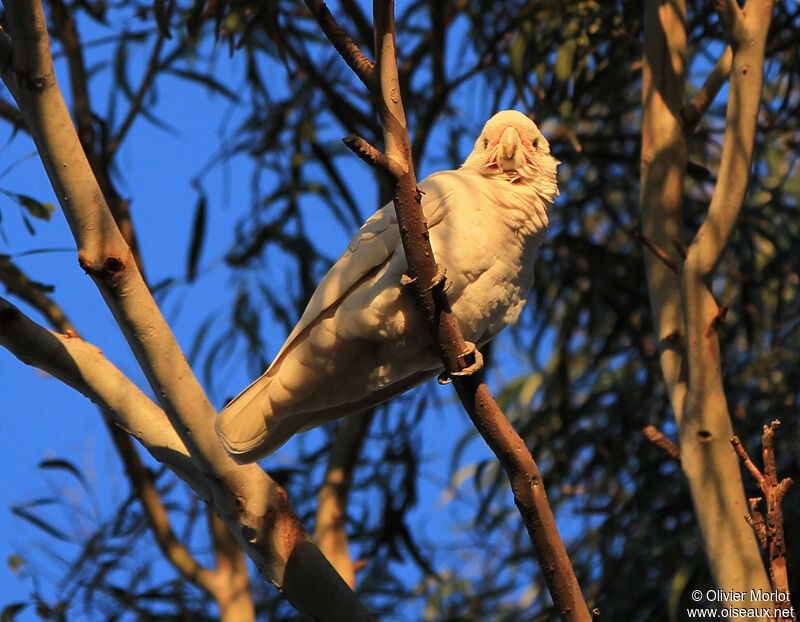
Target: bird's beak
[(509, 145)]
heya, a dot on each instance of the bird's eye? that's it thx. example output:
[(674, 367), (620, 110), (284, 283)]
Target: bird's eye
[(536, 142), (485, 143)]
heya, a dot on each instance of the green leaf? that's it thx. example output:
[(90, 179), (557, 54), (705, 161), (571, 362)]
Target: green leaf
[(519, 46), (565, 59), (198, 237), (15, 562), (9, 613), (205, 80), (25, 514), (35, 208), (64, 465)]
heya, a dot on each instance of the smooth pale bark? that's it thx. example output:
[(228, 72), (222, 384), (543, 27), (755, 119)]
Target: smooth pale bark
[(330, 529), (684, 310), (254, 507)]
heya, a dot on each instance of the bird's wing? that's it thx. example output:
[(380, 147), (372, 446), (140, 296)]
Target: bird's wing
[(295, 392), (369, 249)]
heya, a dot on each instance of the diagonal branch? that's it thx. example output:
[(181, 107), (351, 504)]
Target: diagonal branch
[(344, 44), (138, 98), (659, 439), (695, 109), (18, 283), (460, 359), (329, 531), (747, 31), (82, 366), (255, 508), (141, 480)]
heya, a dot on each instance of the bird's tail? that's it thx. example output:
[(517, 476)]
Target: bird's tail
[(246, 426)]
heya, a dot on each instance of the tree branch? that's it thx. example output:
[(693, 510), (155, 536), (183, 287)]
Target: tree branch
[(232, 585), (703, 422), (141, 480), (67, 33), (461, 360), (344, 44), (33, 293), (771, 533), (255, 508), (656, 436), (82, 366), (692, 112), (372, 156), (748, 33), (138, 99), (330, 533)]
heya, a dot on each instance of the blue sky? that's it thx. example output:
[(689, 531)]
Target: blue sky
[(44, 419)]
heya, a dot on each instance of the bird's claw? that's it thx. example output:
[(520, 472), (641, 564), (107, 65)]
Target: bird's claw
[(471, 359), (439, 280)]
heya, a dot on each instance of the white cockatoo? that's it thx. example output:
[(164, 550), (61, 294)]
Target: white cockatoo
[(362, 340)]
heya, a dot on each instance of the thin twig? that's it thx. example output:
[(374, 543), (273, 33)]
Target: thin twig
[(659, 252), (692, 112), (461, 360), (770, 532), (344, 44), (18, 283), (371, 155), (138, 98), (657, 437)]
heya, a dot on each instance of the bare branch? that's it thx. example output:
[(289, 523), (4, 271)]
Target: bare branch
[(748, 33), (706, 414), (138, 98), (659, 252), (770, 532), (742, 453), (329, 531), (140, 479), (656, 436), (33, 293), (67, 32), (704, 425), (255, 508), (692, 112), (344, 44), (461, 360), (372, 156), (83, 367)]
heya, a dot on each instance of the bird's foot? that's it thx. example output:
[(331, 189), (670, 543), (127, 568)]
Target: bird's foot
[(472, 361), (440, 279)]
